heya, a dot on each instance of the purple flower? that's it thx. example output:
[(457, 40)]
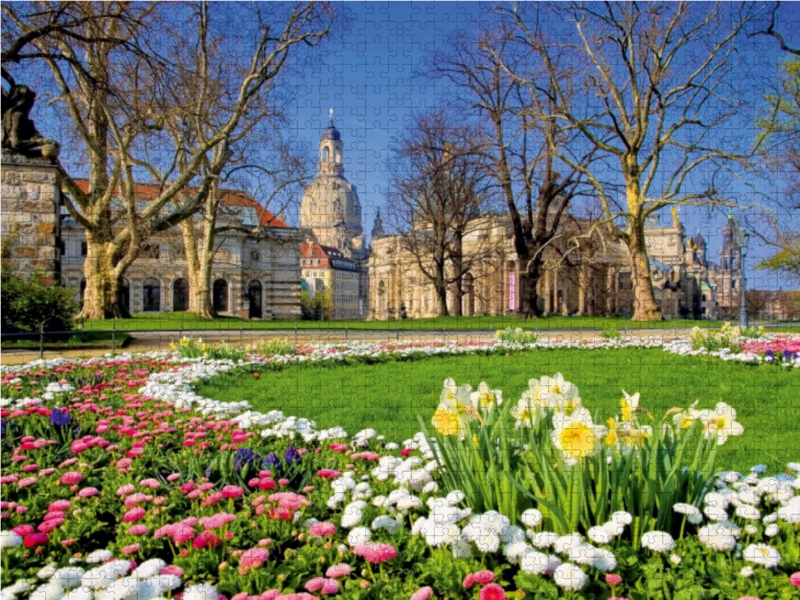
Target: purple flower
[(60, 417)]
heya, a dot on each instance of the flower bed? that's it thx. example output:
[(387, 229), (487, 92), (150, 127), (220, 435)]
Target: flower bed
[(119, 482)]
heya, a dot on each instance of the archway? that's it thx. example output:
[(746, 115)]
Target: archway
[(180, 295), (254, 298), (151, 295), (221, 295), (124, 296)]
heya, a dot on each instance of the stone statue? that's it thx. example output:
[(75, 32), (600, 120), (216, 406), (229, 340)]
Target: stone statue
[(19, 133)]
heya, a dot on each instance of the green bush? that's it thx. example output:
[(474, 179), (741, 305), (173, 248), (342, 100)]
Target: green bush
[(29, 303), (316, 308)]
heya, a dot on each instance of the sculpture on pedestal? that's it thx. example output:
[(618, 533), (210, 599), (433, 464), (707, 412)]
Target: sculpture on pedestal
[(20, 135)]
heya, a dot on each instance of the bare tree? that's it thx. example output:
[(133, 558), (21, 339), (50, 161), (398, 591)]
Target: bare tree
[(757, 302), (439, 191), (536, 185), (119, 101), (651, 95)]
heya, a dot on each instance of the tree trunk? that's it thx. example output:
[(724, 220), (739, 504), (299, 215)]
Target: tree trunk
[(645, 306), (101, 296), (527, 286), (200, 264), (441, 291)]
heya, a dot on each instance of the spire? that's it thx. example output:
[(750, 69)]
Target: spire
[(377, 228)]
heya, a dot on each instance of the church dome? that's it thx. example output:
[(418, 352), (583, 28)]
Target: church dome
[(331, 133), (330, 200)]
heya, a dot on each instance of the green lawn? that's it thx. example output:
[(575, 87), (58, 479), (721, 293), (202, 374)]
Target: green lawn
[(388, 396), (186, 321), (79, 340)]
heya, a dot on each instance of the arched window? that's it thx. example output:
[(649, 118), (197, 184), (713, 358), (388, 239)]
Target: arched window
[(381, 288), (220, 296), (180, 295), (325, 153), (338, 156), (254, 299), (151, 295)]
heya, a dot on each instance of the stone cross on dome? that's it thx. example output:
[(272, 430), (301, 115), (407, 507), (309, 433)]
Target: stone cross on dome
[(330, 113)]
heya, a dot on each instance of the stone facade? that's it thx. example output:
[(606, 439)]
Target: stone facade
[(29, 219), (595, 281), (252, 277)]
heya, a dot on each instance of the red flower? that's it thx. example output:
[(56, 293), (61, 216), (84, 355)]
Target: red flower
[(36, 539), (492, 592)]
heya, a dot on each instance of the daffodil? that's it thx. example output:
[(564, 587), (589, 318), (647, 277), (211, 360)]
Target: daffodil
[(552, 392), (486, 398), (455, 410), (629, 405), (576, 435), (685, 418), (720, 423), (611, 438), (524, 413)]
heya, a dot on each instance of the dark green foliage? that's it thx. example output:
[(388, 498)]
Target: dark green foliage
[(28, 303)]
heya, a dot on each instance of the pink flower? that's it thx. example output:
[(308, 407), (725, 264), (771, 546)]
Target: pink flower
[(336, 571), (132, 549), (232, 491), (23, 530), (153, 484), (182, 534), (35, 539), (88, 492), (254, 557), (794, 578), (271, 595), (423, 594), (492, 592), (126, 489), (321, 584), (59, 506), (375, 552), (283, 481), (172, 570), (188, 487), (72, 477), (479, 577), (68, 542), (173, 477), (134, 514), (322, 529), (613, 579), (206, 539), (26, 481), (138, 530)]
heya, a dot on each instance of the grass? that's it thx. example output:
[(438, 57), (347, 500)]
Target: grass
[(80, 340), (389, 396), (187, 321)]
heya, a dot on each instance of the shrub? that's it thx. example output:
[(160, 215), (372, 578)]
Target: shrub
[(29, 303), (316, 308), (610, 333), (727, 336), (516, 336)]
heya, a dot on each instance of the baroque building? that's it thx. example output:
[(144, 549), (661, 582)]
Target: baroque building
[(334, 254), (591, 279), (254, 275)]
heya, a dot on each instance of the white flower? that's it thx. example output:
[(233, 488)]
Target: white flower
[(106, 574), (658, 541), (763, 555), (614, 528), (486, 398), (569, 577), (747, 571), (455, 497), (758, 469), (67, 577), (686, 509), (512, 534), (352, 516), (462, 548), (46, 572), (544, 539), (531, 517), (772, 530), (534, 562), (82, 593), (149, 568), (576, 436), (203, 591), (604, 560), (623, 517), (600, 535), (675, 559), (565, 542), (430, 488), (583, 554), (551, 392), (720, 423), (515, 550), (18, 587), (387, 523), (9, 539), (750, 529), (715, 513), (716, 537), (745, 511), (358, 535), (99, 556)]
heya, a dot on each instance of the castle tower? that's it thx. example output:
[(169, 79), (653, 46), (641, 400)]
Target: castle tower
[(330, 212), (377, 227)]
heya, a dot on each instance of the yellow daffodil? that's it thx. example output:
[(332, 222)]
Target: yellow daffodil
[(629, 405), (612, 437), (576, 435), (446, 422)]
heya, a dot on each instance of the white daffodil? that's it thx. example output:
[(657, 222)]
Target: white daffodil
[(685, 418), (455, 410), (486, 398), (576, 436), (524, 412), (720, 423), (552, 392)]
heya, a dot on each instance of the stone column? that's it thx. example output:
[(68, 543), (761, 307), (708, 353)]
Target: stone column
[(31, 224), (582, 279), (611, 281)]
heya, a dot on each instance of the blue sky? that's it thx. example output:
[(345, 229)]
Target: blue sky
[(367, 72)]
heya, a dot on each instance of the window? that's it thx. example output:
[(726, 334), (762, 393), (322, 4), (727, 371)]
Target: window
[(63, 246), (254, 256), (180, 295), (625, 282), (325, 153), (704, 297), (83, 248), (151, 295), (220, 295)]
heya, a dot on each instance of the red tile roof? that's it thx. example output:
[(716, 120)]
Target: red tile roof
[(149, 191)]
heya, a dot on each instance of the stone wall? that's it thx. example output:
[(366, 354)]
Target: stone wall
[(29, 219)]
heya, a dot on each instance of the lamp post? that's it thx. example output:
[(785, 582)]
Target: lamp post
[(742, 238)]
